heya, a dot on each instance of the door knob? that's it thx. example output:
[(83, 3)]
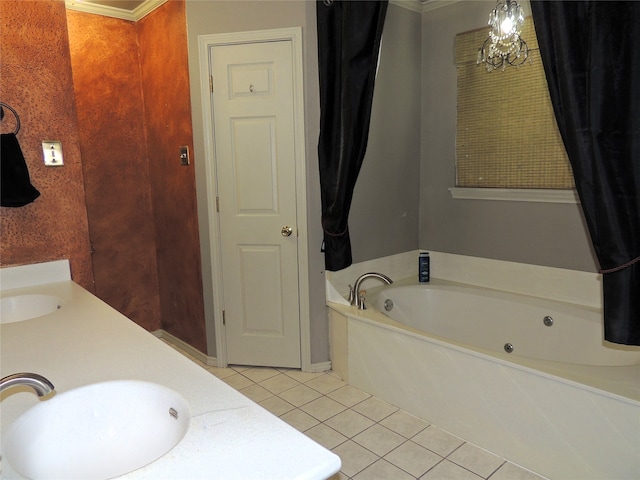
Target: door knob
[(286, 231)]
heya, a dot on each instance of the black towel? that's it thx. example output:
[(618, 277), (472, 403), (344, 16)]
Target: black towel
[(15, 185)]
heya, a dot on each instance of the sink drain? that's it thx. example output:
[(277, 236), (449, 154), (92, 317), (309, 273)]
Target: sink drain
[(508, 347)]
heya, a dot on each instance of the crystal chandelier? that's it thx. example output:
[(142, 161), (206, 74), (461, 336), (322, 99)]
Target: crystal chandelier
[(504, 46)]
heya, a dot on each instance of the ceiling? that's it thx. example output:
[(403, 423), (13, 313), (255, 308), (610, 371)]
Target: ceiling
[(136, 9)]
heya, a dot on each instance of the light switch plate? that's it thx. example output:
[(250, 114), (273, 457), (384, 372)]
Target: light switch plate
[(184, 155), (52, 152)]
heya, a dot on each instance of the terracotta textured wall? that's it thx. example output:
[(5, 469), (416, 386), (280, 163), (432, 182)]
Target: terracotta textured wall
[(36, 81), (106, 75), (165, 82), (132, 89)]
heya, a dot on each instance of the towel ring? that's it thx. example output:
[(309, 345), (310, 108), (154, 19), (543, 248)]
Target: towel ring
[(2, 104)]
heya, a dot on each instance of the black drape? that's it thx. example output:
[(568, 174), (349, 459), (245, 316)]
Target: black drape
[(591, 56), (349, 34)]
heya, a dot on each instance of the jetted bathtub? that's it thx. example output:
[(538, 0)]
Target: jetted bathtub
[(529, 379)]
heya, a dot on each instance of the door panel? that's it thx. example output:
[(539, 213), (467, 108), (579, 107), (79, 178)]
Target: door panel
[(256, 182), (262, 315), (255, 165)]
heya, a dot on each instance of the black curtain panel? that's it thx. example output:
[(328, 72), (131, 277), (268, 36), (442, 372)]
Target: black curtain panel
[(349, 34), (591, 56)]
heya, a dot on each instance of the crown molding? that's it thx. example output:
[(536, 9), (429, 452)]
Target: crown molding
[(422, 6), (413, 5), (132, 15), (429, 5)]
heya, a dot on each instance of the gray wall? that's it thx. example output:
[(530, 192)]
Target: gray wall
[(384, 213), (385, 206), (536, 233)]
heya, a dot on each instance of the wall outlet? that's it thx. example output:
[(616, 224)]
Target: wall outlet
[(52, 152)]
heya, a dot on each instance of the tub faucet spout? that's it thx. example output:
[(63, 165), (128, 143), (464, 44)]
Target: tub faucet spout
[(354, 295), (38, 383)]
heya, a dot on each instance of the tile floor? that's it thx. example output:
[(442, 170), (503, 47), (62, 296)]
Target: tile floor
[(375, 440)]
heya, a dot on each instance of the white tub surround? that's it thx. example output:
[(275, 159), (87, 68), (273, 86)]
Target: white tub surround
[(561, 420), (86, 341), (572, 286)]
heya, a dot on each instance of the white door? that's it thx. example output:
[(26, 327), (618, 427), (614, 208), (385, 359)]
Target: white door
[(254, 123)]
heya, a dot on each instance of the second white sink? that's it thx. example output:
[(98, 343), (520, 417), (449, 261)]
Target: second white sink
[(25, 307), (98, 431)]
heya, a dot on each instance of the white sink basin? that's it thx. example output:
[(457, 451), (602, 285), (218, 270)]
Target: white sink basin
[(97, 431), (26, 307)]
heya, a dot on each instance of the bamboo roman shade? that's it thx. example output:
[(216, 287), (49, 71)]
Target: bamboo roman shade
[(507, 135)]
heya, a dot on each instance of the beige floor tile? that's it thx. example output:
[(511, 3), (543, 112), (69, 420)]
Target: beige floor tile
[(256, 393), (375, 409), (325, 383), (237, 381), (339, 476), (323, 408), (413, 458), (382, 470), (258, 374), (279, 383), (299, 395), (355, 458), (326, 436), (349, 423), (403, 423), (299, 420), (276, 405), (437, 440), (380, 440), (447, 470), (476, 459), (240, 368), (348, 395), (509, 471), (303, 376)]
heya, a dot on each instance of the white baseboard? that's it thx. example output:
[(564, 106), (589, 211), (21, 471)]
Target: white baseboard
[(184, 346), (319, 367), (213, 361)]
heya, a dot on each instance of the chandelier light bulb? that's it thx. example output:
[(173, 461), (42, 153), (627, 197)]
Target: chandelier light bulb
[(506, 26)]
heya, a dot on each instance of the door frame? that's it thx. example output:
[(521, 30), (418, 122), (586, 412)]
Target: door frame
[(205, 42)]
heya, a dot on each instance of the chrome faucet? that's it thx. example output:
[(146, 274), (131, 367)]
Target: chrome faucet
[(354, 293), (38, 383)]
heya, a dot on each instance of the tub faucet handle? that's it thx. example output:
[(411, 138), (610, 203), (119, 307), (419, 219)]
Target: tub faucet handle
[(361, 299)]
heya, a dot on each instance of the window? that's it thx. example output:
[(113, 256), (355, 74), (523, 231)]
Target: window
[(507, 135)]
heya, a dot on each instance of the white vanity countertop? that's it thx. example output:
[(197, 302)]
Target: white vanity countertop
[(86, 341)]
